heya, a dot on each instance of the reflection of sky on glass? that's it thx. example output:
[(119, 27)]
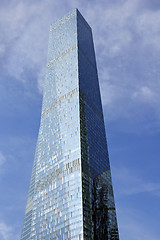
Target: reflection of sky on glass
[(126, 36)]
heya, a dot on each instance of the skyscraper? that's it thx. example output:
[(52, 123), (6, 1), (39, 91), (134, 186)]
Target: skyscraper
[(70, 194)]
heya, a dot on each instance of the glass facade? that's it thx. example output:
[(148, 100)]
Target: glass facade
[(70, 194)]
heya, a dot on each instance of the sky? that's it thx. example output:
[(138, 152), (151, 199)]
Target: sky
[(127, 44)]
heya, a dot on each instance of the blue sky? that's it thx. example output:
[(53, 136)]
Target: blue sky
[(127, 43)]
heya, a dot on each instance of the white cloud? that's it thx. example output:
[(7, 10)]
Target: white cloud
[(124, 34), (148, 28), (112, 27), (7, 232), (2, 49), (144, 93), (2, 158), (134, 221), (25, 37), (120, 35), (133, 226), (131, 183)]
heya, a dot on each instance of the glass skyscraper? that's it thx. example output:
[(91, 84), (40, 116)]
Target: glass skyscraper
[(70, 194)]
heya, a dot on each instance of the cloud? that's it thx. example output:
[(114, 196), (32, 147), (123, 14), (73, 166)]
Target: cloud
[(25, 36), (127, 46), (145, 92), (131, 183), (119, 25), (7, 232), (2, 158), (21, 32), (133, 192), (148, 28), (126, 36), (133, 226)]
